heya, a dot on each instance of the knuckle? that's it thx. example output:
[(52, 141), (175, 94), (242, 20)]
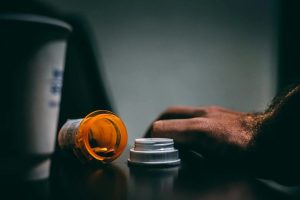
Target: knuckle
[(213, 108), (171, 109), (195, 122)]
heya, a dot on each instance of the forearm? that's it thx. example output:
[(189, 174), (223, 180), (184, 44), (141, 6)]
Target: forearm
[(277, 142)]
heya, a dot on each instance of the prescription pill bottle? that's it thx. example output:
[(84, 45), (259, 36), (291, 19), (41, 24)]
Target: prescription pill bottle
[(100, 137)]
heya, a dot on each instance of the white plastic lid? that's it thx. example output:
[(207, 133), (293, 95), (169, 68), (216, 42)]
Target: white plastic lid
[(154, 151)]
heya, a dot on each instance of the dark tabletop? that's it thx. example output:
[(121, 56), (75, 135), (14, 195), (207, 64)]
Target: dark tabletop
[(71, 180)]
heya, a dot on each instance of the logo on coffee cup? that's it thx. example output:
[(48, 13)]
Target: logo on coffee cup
[(56, 87)]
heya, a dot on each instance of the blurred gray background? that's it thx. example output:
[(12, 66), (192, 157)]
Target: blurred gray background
[(162, 53)]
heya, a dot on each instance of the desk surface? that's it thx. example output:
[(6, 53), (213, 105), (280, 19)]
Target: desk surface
[(71, 180)]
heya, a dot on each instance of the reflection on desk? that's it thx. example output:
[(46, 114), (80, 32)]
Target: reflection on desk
[(71, 180)]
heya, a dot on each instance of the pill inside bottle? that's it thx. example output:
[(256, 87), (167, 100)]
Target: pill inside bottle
[(101, 136)]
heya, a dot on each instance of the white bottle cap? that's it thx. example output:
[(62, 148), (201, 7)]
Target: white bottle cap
[(154, 151)]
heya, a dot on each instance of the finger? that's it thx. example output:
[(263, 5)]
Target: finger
[(182, 112), (195, 133), (217, 110), (183, 131), (178, 112)]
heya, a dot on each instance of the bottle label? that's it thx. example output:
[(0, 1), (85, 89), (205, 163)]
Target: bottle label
[(67, 134)]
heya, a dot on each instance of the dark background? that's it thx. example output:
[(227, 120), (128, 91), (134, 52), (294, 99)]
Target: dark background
[(138, 57), (153, 54), (161, 53)]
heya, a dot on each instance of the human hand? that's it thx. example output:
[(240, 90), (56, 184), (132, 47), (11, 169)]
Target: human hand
[(266, 143), (215, 132)]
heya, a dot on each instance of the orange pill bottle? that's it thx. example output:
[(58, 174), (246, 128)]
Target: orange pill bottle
[(99, 137)]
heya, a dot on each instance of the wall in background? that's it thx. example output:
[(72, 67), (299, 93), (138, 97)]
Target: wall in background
[(162, 53)]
